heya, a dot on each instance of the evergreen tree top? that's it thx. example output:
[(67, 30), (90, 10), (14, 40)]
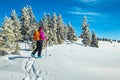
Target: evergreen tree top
[(84, 23), (69, 24)]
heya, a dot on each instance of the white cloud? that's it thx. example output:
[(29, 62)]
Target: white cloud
[(77, 8), (77, 11), (80, 11), (73, 12), (84, 13), (87, 1)]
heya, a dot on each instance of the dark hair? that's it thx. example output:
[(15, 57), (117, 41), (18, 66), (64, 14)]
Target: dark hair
[(40, 28)]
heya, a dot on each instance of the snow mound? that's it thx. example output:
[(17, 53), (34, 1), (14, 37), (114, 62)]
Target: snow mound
[(65, 62)]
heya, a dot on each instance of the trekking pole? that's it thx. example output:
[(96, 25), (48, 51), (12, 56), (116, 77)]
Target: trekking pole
[(46, 50)]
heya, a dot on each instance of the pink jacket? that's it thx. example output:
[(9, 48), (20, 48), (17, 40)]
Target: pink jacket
[(42, 35)]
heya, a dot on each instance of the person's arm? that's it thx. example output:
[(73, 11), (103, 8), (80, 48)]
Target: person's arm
[(43, 36)]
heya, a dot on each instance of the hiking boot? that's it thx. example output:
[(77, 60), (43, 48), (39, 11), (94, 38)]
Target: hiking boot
[(32, 55), (39, 56)]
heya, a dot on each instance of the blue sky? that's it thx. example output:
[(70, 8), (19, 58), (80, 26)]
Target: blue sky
[(103, 15)]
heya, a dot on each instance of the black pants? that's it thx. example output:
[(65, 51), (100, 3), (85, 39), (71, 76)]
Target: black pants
[(38, 48)]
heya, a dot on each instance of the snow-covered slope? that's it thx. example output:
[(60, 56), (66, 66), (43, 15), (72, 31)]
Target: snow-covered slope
[(65, 62)]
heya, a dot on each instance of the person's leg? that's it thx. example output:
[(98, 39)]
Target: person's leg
[(40, 48), (37, 48)]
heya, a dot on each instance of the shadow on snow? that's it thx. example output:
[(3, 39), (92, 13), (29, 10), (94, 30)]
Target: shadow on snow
[(16, 57)]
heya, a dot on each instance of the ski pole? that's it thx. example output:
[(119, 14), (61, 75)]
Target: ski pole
[(46, 50)]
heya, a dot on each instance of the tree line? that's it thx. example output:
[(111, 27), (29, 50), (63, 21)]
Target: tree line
[(22, 28), (16, 29)]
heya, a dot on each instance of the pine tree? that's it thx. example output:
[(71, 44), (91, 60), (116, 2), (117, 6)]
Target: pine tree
[(44, 20), (49, 29), (1, 39), (94, 41), (8, 35), (32, 17), (29, 24), (25, 21), (60, 35), (54, 29), (49, 20), (16, 25), (71, 34), (65, 31), (85, 34), (54, 21), (33, 23), (44, 23)]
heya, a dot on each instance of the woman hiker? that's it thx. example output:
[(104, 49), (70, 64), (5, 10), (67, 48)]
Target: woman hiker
[(39, 37)]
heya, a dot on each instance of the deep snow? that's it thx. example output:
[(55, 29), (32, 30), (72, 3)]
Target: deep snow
[(64, 62)]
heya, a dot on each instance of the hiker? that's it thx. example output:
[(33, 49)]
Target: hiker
[(39, 37)]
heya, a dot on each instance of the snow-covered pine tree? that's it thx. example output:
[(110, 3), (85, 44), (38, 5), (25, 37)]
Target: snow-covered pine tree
[(54, 28), (51, 29), (8, 35), (49, 20), (25, 21), (29, 24), (94, 41), (71, 34), (54, 21), (16, 25), (32, 17), (16, 49), (1, 39), (86, 33), (60, 30), (33, 23), (44, 23), (65, 31), (118, 41), (51, 37)]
